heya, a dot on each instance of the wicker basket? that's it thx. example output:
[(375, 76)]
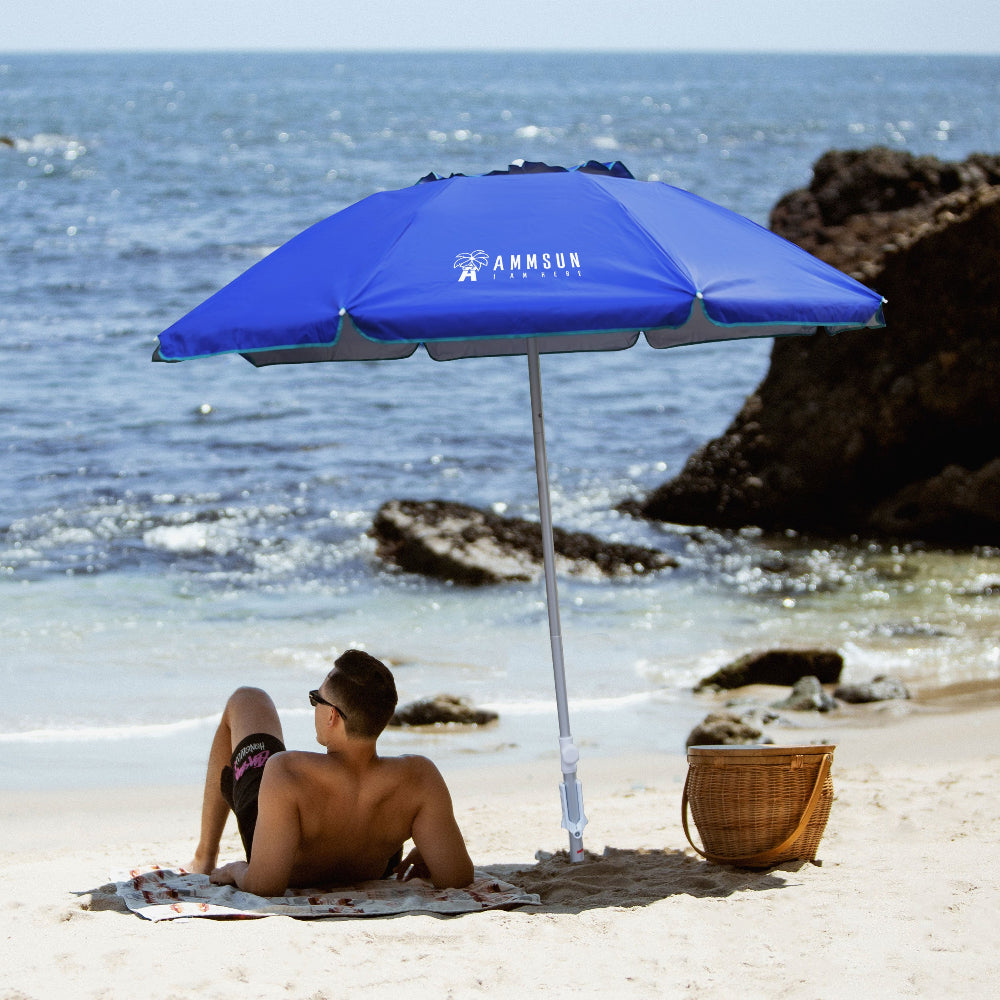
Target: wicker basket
[(757, 806)]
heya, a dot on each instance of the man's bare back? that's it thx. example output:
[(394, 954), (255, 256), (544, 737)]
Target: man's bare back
[(351, 824), (351, 821), (319, 819)]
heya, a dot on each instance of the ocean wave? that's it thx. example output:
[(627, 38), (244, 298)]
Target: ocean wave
[(166, 730), (193, 533), (193, 537), (48, 144), (94, 734)]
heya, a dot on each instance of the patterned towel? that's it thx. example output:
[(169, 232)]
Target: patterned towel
[(165, 894)]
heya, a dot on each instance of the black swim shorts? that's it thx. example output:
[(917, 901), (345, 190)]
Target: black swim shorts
[(240, 781)]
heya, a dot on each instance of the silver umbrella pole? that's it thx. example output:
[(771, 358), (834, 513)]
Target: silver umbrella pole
[(571, 791)]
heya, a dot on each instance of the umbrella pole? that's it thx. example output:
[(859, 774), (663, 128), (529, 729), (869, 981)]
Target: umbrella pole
[(570, 790)]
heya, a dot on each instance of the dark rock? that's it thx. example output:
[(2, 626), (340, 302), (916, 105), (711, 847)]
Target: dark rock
[(849, 183), (958, 506), (807, 696), (452, 541), (887, 433), (777, 666), (723, 729), (442, 710), (881, 688)]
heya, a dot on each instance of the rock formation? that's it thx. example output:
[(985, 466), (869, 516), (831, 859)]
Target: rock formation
[(880, 688), (452, 541), (776, 666), (724, 729), (890, 433), (807, 695), (442, 710)]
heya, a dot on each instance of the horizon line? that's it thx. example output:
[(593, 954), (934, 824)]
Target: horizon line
[(532, 50)]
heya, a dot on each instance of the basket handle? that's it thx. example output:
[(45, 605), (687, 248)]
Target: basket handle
[(762, 858)]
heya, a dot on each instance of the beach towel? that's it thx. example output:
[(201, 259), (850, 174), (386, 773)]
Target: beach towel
[(166, 894)]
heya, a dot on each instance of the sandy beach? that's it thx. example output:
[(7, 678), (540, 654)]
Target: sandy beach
[(904, 904)]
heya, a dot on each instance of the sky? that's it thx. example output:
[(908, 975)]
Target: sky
[(925, 26)]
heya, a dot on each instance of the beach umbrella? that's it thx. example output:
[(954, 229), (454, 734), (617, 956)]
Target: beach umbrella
[(530, 260)]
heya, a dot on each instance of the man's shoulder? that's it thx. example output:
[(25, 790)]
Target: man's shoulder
[(292, 765), (419, 775), (412, 764)]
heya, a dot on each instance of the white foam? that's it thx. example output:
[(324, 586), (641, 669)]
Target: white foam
[(51, 143), (194, 537), (91, 734)]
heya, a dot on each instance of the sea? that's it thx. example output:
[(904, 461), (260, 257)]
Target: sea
[(169, 532)]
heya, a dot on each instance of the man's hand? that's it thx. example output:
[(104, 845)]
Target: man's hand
[(230, 874), (412, 866)]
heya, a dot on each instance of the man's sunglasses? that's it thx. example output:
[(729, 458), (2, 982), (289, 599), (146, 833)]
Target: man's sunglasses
[(315, 698)]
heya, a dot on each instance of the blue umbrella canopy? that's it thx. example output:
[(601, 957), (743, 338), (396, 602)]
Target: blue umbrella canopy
[(529, 260), (580, 260)]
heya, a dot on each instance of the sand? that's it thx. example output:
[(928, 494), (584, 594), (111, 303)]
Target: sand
[(905, 904)]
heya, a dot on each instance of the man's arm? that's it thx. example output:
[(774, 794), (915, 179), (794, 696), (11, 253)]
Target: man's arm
[(438, 840), (276, 837)]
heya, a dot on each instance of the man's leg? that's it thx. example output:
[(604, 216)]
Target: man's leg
[(249, 710)]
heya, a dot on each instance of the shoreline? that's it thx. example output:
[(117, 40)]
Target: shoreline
[(902, 905)]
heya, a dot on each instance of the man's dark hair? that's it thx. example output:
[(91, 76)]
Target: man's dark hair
[(365, 690)]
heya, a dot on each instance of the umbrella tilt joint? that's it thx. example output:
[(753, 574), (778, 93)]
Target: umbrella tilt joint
[(571, 794)]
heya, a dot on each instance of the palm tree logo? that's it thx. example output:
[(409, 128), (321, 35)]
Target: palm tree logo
[(470, 263)]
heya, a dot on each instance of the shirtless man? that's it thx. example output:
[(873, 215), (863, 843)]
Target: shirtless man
[(318, 819)]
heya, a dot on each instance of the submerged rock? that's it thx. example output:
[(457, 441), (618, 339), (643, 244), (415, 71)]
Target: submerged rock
[(444, 709), (888, 433), (881, 688), (463, 544), (777, 666)]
